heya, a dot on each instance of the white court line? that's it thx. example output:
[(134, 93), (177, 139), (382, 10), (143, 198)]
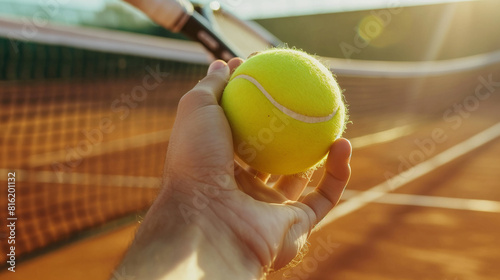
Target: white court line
[(380, 190), (86, 179), (102, 148), (378, 193), (155, 182), (163, 135), (479, 205), (382, 136)]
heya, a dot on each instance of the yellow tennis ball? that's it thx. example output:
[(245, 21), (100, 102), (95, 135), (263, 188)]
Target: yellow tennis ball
[(285, 110)]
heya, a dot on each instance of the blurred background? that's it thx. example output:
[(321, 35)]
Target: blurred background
[(86, 136)]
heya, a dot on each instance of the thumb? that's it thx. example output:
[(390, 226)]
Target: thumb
[(208, 91)]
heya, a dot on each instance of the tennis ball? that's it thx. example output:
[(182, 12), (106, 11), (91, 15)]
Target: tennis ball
[(285, 109)]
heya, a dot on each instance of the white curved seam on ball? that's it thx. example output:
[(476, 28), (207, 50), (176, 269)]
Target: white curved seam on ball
[(283, 109)]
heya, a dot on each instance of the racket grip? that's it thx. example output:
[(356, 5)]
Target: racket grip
[(198, 29), (170, 14)]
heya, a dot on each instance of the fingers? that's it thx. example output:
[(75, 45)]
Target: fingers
[(333, 183), (292, 186), (234, 63), (208, 91), (264, 177), (253, 54), (255, 187)]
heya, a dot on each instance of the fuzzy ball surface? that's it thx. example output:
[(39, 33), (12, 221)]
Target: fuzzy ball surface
[(285, 109)]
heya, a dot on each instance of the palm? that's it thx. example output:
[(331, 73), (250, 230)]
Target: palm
[(282, 223)]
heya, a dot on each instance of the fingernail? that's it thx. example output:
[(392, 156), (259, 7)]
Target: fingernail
[(216, 65)]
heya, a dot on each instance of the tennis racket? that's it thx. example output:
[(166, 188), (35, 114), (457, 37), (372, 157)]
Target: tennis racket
[(221, 33)]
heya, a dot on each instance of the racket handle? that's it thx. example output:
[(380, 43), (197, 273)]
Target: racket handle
[(198, 28), (179, 15), (170, 14)]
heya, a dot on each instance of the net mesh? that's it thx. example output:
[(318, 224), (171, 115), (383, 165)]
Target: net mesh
[(86, 133)]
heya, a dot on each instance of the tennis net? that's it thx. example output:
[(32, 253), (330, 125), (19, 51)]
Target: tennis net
[(85, 129)]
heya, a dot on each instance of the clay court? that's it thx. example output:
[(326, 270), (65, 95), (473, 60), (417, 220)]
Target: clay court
[(423, 201)]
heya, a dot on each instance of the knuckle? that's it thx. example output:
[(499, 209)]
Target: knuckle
[(195, 94), (198, 96)]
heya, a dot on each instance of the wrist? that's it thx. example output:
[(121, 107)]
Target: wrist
[(183, 232), (217, 241), (223, 256)]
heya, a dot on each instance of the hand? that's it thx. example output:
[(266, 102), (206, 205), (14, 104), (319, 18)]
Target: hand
[(227, 211)]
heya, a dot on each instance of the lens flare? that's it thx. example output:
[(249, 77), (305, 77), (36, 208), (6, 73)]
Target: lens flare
[(370, 28)]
